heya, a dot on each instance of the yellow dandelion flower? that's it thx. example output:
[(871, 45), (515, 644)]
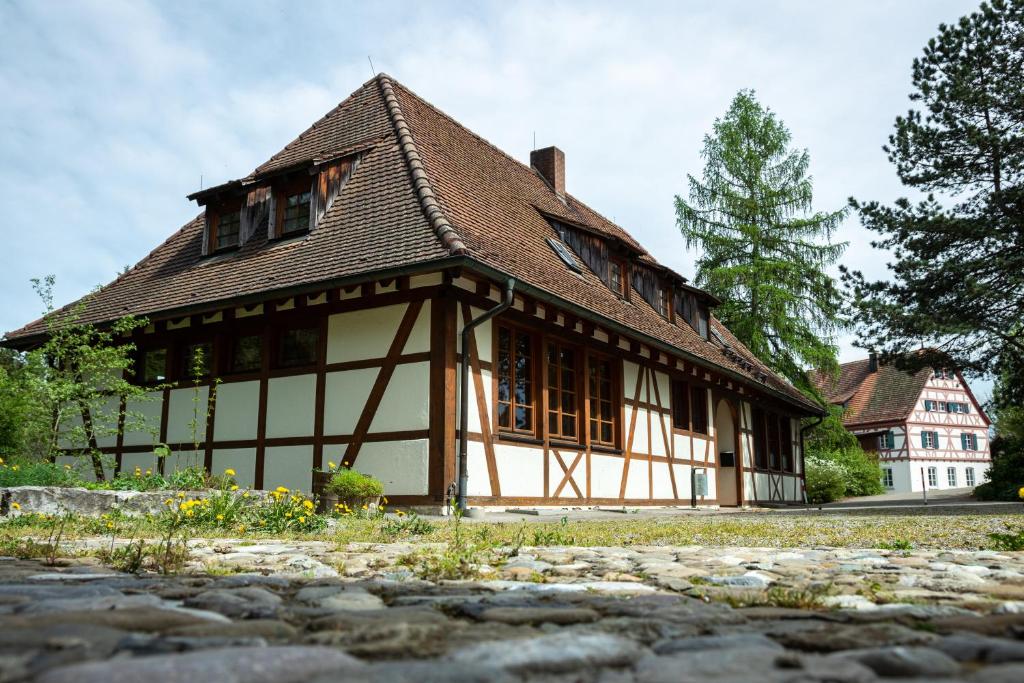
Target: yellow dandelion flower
[(234, 487), (281, 489), (288, 514), (230, 472), (330, 465), (220, 518), (345, 464), (15, 468), (110, 525), (302, 520), (15, 506), (67, 467), (181, 494), (2, 462), (241, 528), (149, 472), (1021, 492), (308, 504)]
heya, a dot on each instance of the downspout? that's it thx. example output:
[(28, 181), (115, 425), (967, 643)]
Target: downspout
[(467, 328), (803, 454)]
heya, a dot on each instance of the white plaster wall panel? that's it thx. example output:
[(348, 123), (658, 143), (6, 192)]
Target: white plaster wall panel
[(482, 333), (144, 416), (638, 484), (144, 461), (664, 390), (683, 480), (406, 401), (762, 488), (359, 335), (639, 444), (238, 411), (83, 465), (241, 460), (288, 466), (712, 482), (104, 415), (605, 476), (186, 406), (479, 482), (520, 470), (291, 405), (579, 474), (681, 446), (703, 450), (748, 486), (402, 466), (473, 414), (629, 377), (344, 397), (70, 429), (657, 435), (180, 460), (663, 481)]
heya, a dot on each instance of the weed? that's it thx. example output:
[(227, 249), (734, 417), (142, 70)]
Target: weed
[(1013, 540), (405, 525), (896, 544)]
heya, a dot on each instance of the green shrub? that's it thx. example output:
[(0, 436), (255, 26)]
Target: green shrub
[(347, 484), (188, 479), (1006, 476), (133, 481), (863, 476), (826, 480), (28, 472)]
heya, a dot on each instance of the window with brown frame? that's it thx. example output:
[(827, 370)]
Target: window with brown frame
[(760, 447), (617, 276), (293, 209), (247, 353), (664, 302), (225, 228), (563, 407), (602, 403), (680, 404), (774, 450), (516, 399), (699, 410), (196, 360), (786, 432), (298, 346), (153, 365)]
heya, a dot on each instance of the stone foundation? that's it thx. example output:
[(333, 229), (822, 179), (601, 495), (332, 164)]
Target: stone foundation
[(57, 500)]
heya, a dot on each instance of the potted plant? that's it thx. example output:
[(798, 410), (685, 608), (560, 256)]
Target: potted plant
[(352, 490)]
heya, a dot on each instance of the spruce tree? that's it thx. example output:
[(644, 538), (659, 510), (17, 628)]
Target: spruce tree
[(762, 251), (956, 288)]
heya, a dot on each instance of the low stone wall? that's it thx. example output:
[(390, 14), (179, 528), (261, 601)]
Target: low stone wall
[(55, 500)]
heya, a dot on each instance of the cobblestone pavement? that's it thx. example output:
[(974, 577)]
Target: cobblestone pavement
[(313, 611)]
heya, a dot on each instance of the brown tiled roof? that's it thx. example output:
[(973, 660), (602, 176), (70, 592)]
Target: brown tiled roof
[(427, 189), (886, 395)]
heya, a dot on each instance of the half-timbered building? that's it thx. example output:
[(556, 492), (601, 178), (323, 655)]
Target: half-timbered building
[(927, 427), (339, 288)]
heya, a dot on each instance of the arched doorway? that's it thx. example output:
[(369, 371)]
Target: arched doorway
[(728, 454)]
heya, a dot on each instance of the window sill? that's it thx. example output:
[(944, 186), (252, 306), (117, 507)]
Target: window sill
[(519, 438), (610, 450), (289, 236), (568, 445)]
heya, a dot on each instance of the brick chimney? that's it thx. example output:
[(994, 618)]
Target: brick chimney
[(550, 163), (873, 362)]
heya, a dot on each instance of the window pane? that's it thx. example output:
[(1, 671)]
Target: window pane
[(299, 347), (196, 360), (228, 224), (296, 213), (503, 415), (569, 425), (154, 365), (247, 354)]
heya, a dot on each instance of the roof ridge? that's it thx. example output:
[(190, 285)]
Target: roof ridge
[(420, 180)]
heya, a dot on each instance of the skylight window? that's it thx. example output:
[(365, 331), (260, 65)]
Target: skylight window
[(564, 254)]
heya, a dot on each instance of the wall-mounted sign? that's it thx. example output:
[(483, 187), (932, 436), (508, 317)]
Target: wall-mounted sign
[(700, 483)]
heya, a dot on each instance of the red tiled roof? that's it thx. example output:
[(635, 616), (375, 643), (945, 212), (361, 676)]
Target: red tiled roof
[(886, 395), (427, 189)]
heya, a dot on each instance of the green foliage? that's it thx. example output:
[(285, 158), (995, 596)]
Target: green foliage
[(1006, 476), (763, 253), (957, 283), (405, 525), (20, 471), (191, 478), (23, 423), (285, 510), (830, 434), (826, 479), (1012, 540), (350, 485)]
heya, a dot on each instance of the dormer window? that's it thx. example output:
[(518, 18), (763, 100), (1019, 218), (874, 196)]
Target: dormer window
[(664, 302), (225, 226), (293, 209), (617, 276)]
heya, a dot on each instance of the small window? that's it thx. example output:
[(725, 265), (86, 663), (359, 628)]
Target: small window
[(196, 360), (703, 321), (929, 439), (515, 381), (247, 353), (760, 447), (970, 476), (563, 410), (564, 254), (933, 477), (617, 276), (887, 441), (154, 365), (887, 477), (786, 435), (664, 301), (968, 441), (293, 212), (298, 347), (602, 403), (226, 226), (699, 410), (951, 476), (680, 404)]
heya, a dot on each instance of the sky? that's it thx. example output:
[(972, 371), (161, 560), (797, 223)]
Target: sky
[(112, 112)]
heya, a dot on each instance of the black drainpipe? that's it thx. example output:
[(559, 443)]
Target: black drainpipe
[(803, 454), (463, 465)]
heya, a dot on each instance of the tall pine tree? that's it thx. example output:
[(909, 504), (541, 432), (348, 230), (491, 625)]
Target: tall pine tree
[(762, 251), (957, 281)]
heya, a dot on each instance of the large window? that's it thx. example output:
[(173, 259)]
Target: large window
[(515, 381), (602, 403), (887, 480), (951, 476), (968, 441), (887, 441), (933, 477), (297, 347), (680, 404), (247, 353), (970, 476), (293, 211), (760, 445), (196, 360), (929, 439), (154, 365), (699, 410), (786, 435), (563, 411)]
